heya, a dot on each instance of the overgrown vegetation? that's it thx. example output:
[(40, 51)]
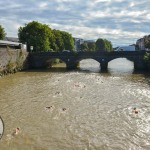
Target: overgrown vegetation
[(19, 60), (14, 66), (147, 57), (2, 33), (147, 43), (88, 46), (103, 45), (10, 66)]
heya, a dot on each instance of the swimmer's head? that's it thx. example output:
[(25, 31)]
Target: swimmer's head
[(17, 128), (134, 108), (64, 109)]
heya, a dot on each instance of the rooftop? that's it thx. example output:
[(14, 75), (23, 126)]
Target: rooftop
[(2, 42)]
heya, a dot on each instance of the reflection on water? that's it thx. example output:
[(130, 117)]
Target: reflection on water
[(117, 66), (93, 66), (81, 109), (121, 65)]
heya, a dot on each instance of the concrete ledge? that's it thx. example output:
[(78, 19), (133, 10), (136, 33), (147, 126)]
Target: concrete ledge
[(13, 60)]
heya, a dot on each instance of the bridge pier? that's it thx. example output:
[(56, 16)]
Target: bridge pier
[(72, 65), (104, 66), (139, 65)]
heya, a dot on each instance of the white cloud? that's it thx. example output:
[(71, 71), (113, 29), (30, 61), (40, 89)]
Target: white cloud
[(91, 33), (90, 19), (132, 4), (62, 8), (12, 28), (61, 1), (43, 4), (147, 16), (96, 14)]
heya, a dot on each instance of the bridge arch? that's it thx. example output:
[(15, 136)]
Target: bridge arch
[(82, 59), (116, 57), (89, 64), (121, 64), (50, 62), (103, 64)]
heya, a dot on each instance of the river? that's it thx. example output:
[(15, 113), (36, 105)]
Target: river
[(83, 109)]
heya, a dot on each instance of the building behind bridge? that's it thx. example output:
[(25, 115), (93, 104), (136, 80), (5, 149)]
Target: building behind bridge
[(11, 43), (79, 41), (141, 42)]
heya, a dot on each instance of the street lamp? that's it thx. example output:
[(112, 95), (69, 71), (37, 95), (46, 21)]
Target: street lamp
[(31, 48)]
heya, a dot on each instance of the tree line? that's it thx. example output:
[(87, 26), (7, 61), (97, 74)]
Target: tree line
[(99, 45), (40, 37)]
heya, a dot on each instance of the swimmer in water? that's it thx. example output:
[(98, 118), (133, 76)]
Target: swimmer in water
[(77, 85), (64, 109), (13, 134), (135, 110), (57, 92), (16, 131), (48, 107)]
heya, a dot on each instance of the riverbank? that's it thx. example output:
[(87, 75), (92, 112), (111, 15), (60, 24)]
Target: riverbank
[(13, 60)]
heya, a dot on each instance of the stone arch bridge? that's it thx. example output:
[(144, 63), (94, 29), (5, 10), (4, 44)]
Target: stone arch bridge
[(72, 59)]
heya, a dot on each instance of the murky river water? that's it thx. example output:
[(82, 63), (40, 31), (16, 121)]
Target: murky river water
[(86, 109)]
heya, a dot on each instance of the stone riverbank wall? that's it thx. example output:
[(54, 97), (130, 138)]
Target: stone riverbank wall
[(13, 60)]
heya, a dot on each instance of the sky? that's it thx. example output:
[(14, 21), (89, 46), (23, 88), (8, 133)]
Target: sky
[(122, 22)]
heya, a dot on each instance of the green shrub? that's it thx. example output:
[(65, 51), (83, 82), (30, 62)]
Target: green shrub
[(147, 57)]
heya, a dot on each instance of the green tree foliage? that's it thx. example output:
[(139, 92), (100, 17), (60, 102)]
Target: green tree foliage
[(58, 44), (88, 46), (43, 38), (147, 43), (37, 35), (84, 47), (67, 40), (108, 45), (147, 57), (100, 45), (62, 41), (91, 46), (2, 33), (103, 45)]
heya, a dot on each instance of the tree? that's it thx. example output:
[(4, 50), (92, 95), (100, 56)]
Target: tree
[(108, 45), (103, 45), (2, 33), (147, 43), (67, 40), (100, 45), (37, 35), (147, 57), (58, 41), (91, 46), (84, 47)]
